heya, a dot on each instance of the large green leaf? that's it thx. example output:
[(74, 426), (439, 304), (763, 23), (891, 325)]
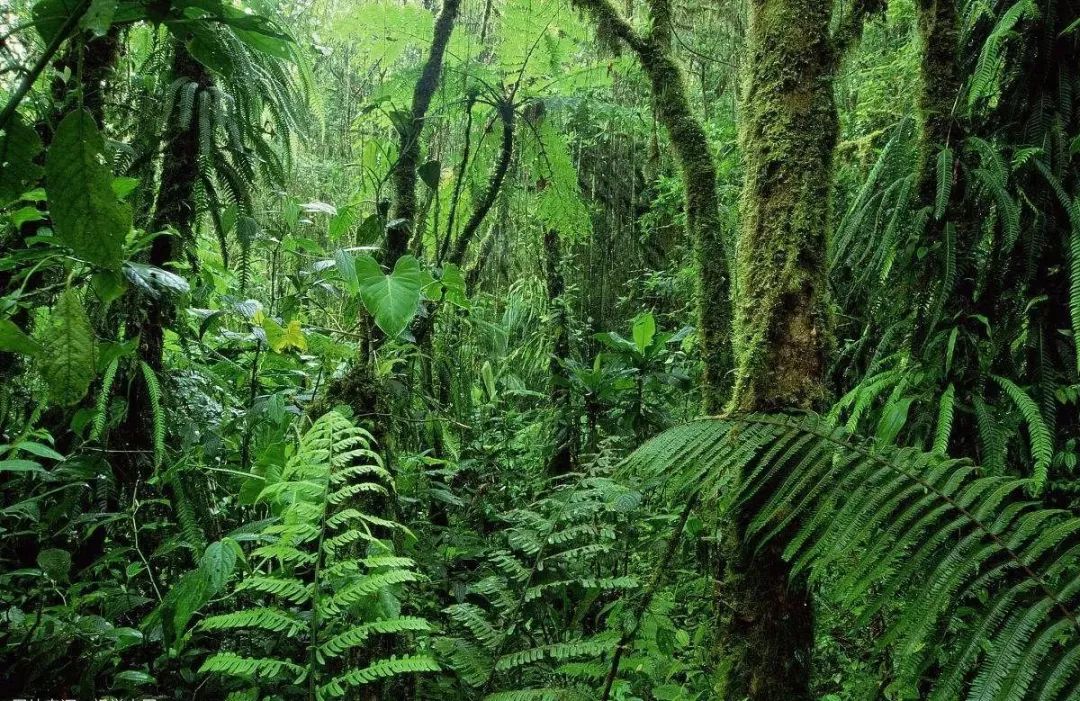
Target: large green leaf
[(644, 331), (19, 145), (67, 363), (391, 299), (99, 16), (13, 340), (85, 211), (50, 15)]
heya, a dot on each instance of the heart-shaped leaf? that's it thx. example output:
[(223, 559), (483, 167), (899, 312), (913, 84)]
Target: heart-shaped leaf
[(390, 299)]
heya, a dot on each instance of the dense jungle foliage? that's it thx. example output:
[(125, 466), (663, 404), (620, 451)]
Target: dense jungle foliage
[(540, 350)]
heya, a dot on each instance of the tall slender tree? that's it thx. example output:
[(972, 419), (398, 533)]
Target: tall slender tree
[(410, 128), (694, 154)]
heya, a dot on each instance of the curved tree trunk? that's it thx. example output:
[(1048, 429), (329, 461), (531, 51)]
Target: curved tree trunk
[(410, 130), (695, 159)]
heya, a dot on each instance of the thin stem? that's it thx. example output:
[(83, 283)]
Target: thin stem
[(650, 593), (28, 80)]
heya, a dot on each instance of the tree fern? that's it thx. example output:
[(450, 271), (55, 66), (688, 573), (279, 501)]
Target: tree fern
[(315, 591), (971, 558)]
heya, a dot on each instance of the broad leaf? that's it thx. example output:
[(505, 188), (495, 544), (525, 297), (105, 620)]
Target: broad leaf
[(453, 282), (99, 17), (19, 145), (13, 340), (55, 562), (390, 299), (86, 214), (155, 281), (430, 172), (67, 362), (346, 266), (644, 330)]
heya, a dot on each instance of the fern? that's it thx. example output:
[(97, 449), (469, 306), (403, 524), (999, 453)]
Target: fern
[(944, 182), (101, 405), (321, 599), (984, 81), (973, 560), (153, 393), (1040, 439), (946, 408), (552, 552)]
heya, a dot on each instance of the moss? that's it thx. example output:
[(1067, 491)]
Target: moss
[(780, 331), (940, 87), (695, 159), (410, 128)]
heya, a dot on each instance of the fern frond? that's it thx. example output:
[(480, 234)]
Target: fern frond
[(157, 414), (974, 559), (1040, 438)]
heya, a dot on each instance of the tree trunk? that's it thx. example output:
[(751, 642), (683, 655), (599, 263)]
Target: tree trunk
[(940, 91), (174, 208), (780, 327), (695, 159), (410, 130), (563, 437)]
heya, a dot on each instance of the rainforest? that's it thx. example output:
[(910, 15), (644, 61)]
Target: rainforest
[(540, 350)]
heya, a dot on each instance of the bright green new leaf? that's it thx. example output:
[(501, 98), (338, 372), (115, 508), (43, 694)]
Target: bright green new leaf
[(86, 214), (390, 299), (644, 331), (67, 361)]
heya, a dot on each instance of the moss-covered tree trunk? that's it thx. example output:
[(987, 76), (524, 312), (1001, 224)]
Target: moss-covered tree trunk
[(780, 328), (940, 89), (694, 155), (410, 131)]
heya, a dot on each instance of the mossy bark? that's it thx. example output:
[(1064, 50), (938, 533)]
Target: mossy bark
[(694, 155), (174, 209), (940, 73), (410, 130), (780, 332), (788, 136)]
